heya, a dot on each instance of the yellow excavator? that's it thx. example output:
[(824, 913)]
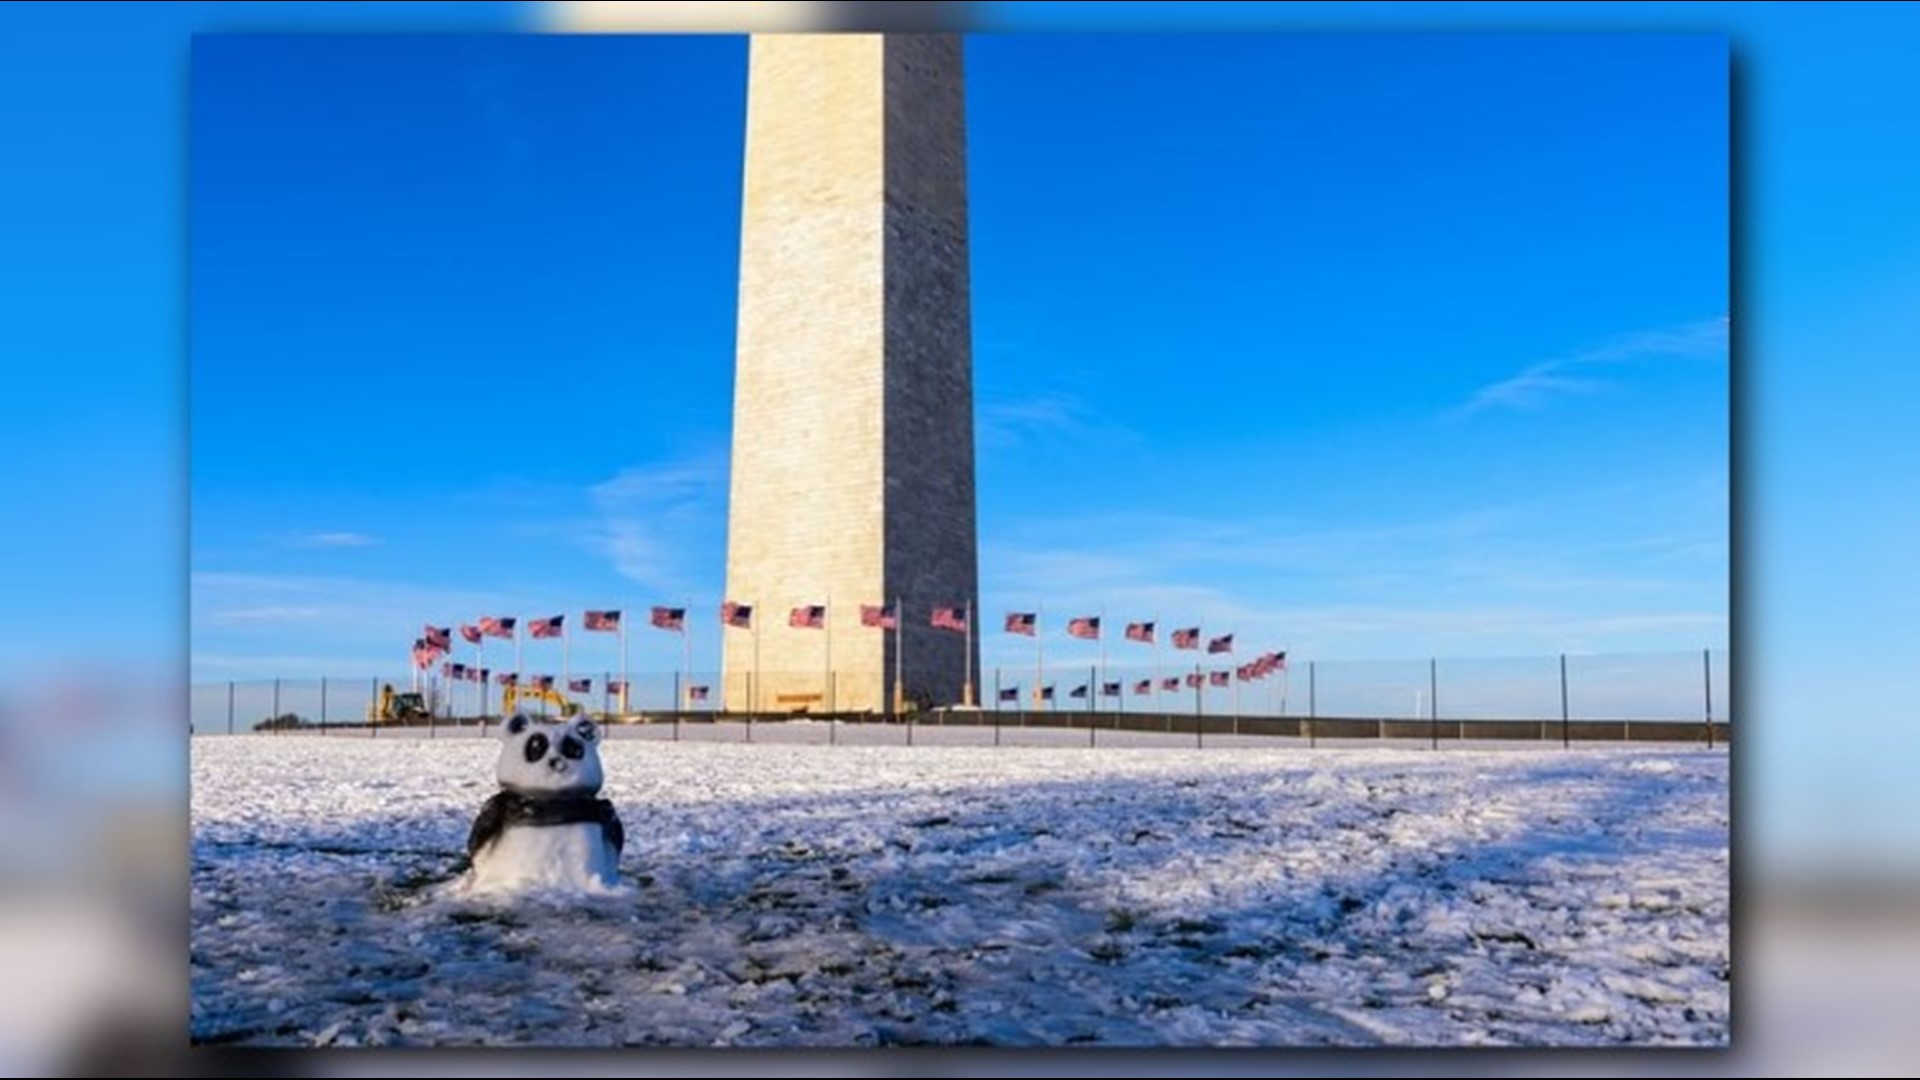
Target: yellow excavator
[(397, 708), (512, 696)]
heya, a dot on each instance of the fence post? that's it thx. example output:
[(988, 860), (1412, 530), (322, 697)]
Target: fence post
[(323, 704), (276, 704), (229, 706), (373, 708), (1706, 670), (1313, 702), (1566, 740), (1433, 701)]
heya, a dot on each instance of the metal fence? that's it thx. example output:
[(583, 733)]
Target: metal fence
[(1586, 696)]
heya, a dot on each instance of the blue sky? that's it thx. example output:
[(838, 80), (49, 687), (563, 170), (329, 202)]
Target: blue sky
[(1827, 258), (1364, 346)]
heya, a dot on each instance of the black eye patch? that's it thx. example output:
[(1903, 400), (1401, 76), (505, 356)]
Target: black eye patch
[(516, 725), (537, 746), (571, 747)]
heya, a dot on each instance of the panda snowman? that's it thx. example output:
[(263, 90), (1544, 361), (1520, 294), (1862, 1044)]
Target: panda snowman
[(547, 827)]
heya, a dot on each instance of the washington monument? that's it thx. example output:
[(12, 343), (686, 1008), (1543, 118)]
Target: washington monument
[(852, 472)]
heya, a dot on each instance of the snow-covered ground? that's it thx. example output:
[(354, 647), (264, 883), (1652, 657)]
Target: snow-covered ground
[(854, 895)]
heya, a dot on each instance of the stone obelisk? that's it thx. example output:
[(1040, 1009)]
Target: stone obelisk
[(852, 472)]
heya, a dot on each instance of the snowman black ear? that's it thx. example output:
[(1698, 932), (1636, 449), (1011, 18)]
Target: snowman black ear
[(585, 729), (518, 724)]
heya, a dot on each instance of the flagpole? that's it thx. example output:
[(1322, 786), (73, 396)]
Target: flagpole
[(1039, 655), (481, 646), (1286, 681), (899, 646), (566, 659), (686, 650), (756, 617), (624, 675), (826, 621), (518, 626), (966, 662), (1101, 640)]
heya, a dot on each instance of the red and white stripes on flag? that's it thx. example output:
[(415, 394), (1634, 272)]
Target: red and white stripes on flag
[(1221, 644), (1141, 632), (497, 627), (604, 621), (1144, 686), (548, 628), (1021, 622), (471, 633), (1088, 628), (1219, 678), (736, 615), (808, 617), (1187, 639), (440, 637), (669, 618), (950, 618), (580, 686), (884, 616)]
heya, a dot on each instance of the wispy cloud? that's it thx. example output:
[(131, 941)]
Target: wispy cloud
[(340, 539), (1583, 372), (1502, 580), (271, 613), (651, 520), (1003, 424)]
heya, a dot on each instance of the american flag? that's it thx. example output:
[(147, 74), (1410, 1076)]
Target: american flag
[(440, 637), (740, 615), (500, 627), (1171, 682), (455, 671), (608, 621), (423, 654), (1279, 660), (1187, 639), (1244, 673), (950, 618), (1141, 632), (1223, 643), (1078, 691), (1111, 689), (546, 627), (616, 686), (1020, 622), (1144, 686), (1219, 678), (808, 617), (1088, 628), (669, 618), (1010, 693), (471, 633), (696, 693), (1196, 679), (884, 616), (478, 674), (1046, 693), (543, 682), (507, 678), (580, 686), (446, 670)]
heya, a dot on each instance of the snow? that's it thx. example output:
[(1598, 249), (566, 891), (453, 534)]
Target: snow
[(793, 894)]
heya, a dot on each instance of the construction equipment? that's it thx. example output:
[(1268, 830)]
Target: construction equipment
[(397, 708), (512, 696)]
